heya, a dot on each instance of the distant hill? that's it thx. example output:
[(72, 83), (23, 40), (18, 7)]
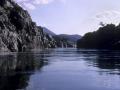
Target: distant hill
[(63, 40), (72, 38), (47, 31)]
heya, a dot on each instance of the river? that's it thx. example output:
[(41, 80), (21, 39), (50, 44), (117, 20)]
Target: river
[(60, 69)]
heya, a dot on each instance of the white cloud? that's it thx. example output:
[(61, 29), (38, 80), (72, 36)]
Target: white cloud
[(42, 1), (111, 16), (31, 4), (107, 17)]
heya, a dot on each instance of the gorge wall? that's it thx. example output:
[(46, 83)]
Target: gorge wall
[(17, 30)]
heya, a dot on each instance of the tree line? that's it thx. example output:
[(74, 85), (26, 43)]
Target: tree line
[(106, 37)]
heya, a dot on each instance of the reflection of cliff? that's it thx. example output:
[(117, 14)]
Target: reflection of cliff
[(16, 69)]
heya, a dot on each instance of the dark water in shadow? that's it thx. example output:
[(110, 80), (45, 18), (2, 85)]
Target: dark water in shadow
[(60, 69)]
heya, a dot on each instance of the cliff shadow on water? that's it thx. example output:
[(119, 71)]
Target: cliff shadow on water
[(16, 68)]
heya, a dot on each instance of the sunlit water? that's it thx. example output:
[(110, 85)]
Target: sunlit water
[(60, 69)]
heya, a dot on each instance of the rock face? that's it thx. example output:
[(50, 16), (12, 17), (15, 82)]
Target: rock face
[(17, 30)]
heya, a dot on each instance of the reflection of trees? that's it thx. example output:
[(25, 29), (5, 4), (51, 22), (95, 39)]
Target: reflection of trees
[(108, 60), (103, 59), (15, 69)]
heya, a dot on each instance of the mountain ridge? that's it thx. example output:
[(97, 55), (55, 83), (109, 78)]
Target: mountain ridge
[(72, 37)]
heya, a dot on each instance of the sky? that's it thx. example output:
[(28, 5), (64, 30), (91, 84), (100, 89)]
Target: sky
[(72, 16)]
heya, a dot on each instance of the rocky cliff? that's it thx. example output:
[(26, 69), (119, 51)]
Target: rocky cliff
[(17, 30)]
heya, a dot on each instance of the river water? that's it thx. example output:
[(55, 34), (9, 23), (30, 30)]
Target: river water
[(60, 69)]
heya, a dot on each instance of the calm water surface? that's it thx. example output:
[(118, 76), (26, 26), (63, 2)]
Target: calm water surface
[(60, 69)]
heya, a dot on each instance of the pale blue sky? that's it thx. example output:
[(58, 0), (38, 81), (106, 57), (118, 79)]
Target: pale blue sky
[(72, 16)]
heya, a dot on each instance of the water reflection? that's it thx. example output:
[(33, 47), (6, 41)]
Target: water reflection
[(102, 59), (72, 69), (16, 69), (65, 69), (108, 60)]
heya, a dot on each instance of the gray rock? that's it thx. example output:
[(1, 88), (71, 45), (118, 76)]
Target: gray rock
[(17, 30)]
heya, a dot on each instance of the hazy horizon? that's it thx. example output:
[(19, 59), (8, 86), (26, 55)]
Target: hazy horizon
[(72, 16)]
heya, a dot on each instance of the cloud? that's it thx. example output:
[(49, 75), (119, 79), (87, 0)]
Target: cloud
[(31, 4), (111, 16), (42, 1), (107, 17)]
